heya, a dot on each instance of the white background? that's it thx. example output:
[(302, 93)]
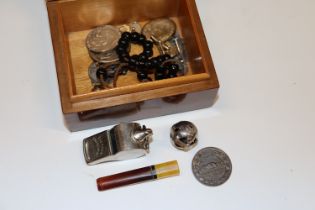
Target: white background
[(264, 53)]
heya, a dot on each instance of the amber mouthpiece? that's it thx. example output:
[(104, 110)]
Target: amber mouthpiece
[(152, 172)]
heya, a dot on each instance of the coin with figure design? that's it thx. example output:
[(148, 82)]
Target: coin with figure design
[(103, 39), (161, 29), (211, 166)]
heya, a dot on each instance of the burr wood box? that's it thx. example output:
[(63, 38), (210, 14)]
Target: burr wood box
[(72, 20)]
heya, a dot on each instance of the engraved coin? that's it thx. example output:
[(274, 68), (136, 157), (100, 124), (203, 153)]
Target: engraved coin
[(211, 166), (161, 29), (103, 39), (104, 57)]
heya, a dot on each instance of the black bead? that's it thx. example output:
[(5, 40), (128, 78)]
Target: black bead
[(124, 54), (167, 57), (160, 59), (133, 60), (135, 36), (148, 45), (121, 49), (141, 64), (148, 64), (155, 62), (142, 57), (141, 39), (126, 35), (124, 59), (174, 67), (148, 52), (159, 76), (123, 43), (141, 75)]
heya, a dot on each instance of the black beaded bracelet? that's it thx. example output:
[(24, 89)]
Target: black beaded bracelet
[(142, 63), (124, 45)]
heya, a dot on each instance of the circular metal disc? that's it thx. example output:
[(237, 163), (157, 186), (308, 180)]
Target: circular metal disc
[(104, 57), (103, 39), (211, 166), (161, 29)]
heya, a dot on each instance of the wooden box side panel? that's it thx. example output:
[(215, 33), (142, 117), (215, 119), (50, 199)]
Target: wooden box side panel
[(61, 54), (195, 40), (82, 15), (143, 110)]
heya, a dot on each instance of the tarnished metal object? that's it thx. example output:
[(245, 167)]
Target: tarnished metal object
[(103, 39), (105, 75), (101, 43), (162, 29), (184, 135), (124, 141), (211, 166), (104, 57), (131, 27), (96, 82), (181, 54)]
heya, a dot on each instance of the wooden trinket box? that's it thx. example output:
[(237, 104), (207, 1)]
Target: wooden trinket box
[(72, 20)]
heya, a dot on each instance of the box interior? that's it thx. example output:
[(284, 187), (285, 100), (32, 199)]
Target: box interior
[(79, 17)]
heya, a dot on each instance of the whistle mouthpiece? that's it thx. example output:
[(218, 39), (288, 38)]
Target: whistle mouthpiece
[(153, 172)]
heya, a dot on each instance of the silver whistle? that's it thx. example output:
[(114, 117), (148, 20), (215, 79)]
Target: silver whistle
[(124, 141)]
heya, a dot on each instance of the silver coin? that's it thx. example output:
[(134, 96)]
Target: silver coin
[(211, 166), (108, 57), (161, 29), (103, 39)]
